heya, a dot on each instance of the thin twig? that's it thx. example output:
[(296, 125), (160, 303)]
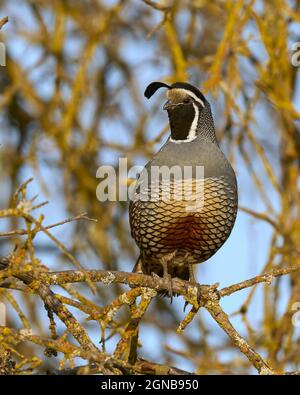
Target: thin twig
[(157, 6), (261, 216), (22, 187), (71, 219), (267, 278), (3, 21)]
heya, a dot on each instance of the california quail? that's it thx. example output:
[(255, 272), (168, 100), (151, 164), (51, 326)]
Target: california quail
[(174, 233)]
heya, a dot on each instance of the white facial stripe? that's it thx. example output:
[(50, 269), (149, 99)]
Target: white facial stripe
[(192, 133), (193, 129), (196, 98), (182, 141)]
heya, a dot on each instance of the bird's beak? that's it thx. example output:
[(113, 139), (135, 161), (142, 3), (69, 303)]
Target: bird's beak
[(167, 105)]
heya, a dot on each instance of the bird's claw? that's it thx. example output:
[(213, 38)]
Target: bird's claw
[(168, 282)]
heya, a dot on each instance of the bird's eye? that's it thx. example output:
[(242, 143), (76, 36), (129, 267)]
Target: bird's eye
[(186, 100)]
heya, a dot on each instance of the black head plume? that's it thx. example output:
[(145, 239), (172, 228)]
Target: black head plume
[(153, 87)]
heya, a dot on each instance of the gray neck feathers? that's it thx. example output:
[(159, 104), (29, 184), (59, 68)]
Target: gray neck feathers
[(206, 127)]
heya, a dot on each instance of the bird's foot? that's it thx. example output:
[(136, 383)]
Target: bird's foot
[(168, 283), (167, 280), (192, 280), (155, 275), (188, 262), (166, 276)]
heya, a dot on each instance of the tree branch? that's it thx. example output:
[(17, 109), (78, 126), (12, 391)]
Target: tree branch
[(206, 296), (3, 21)]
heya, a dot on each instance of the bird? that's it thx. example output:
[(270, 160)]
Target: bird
[(179, 222)]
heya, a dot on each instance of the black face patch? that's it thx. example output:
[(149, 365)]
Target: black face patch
[(181, 118)]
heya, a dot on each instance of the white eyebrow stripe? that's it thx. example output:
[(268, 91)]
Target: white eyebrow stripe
[(192, 94)]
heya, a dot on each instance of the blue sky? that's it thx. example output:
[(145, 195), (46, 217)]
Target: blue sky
[(245, 252)]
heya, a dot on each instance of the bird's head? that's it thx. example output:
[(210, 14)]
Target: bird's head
[(186, 106)]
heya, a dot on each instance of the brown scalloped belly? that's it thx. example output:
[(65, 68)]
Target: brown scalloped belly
[(195, 226)]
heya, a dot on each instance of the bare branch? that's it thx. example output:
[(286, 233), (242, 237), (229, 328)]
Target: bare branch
[(157, 6), (3, 21)]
